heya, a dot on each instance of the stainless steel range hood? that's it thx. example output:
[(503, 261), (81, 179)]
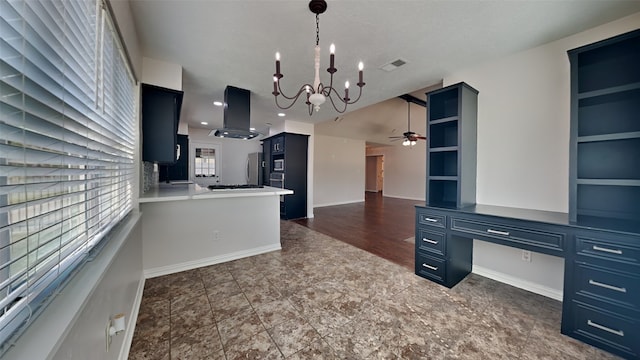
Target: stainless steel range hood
[(237, 114)]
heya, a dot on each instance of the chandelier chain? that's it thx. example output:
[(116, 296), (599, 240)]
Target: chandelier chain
[(317, 29)]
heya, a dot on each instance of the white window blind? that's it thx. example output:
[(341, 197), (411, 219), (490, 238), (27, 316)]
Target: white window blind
[(67, 132)]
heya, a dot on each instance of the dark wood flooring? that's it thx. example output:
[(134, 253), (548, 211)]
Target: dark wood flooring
[(379, 225)]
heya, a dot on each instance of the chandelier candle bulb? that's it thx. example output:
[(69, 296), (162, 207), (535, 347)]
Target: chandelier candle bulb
[(332, 56), (346, 91), (277, 63), (275, 86), (360, 67)]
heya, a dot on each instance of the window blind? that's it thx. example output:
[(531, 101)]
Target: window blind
[(67, 132)]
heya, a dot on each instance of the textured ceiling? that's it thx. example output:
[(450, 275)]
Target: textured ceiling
[(232, 42)]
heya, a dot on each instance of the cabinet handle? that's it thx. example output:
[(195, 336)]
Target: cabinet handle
[(602, 327), (498, 232), (434, 268), (429, 241), (430, 219), (607, 286), (611, 251)]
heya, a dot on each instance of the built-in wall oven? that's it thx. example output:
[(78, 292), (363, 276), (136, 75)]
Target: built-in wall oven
[(276, 179)]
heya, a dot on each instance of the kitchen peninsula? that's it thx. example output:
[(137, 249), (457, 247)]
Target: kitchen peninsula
[(185, 226)]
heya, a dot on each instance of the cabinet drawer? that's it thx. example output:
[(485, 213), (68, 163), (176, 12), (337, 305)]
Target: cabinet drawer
[(608, 250), (430, 219), (609, 286), (430, 267), (432, 241), (607, 330), (510, 234)]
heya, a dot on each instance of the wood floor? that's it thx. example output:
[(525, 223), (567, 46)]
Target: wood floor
[(379, 225)]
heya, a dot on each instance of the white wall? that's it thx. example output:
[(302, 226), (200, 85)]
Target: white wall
[(339, 171), (232, 156), (161, 73), (404, 170), (523, 143), (119, 291), (181, 235)]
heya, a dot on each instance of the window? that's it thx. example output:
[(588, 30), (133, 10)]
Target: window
[(205, 165), (67, 133)]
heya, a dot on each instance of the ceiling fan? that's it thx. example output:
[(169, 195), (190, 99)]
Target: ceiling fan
[(409, 137)]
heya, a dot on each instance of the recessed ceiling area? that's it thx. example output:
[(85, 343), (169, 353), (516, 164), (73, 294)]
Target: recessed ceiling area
[(220, 43)]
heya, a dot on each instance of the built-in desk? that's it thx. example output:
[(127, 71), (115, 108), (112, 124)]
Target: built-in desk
[(601, 296)]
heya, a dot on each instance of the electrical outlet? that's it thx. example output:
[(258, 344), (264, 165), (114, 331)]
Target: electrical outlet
[(216, 235), (526, 255)]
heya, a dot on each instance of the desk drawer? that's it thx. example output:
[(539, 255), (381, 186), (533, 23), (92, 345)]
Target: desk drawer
[(427, 218), (510, 234), (430, 267), (607, 330), (609, 286), (431, 241), (612, 251)]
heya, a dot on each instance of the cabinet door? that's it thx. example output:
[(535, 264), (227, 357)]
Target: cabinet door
[(160, 115), (277, 145), (180, 169)]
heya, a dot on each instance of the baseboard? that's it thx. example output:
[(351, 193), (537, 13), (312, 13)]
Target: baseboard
[(338, 203), (517, 282), (131, 327), (403, 197), (170, 269)]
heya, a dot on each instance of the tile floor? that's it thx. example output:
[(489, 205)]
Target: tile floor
[(319, 298)]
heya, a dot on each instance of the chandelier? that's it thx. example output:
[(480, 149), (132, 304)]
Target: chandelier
[(317, 94)]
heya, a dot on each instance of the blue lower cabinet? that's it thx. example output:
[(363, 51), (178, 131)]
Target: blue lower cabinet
[(604, 329)]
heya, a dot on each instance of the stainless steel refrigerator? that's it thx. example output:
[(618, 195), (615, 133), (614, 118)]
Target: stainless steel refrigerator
[(254, 169)]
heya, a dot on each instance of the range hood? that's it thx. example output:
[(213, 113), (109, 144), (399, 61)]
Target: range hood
[(237, 114)]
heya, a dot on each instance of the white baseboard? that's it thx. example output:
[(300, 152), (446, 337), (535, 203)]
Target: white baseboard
[(338, 203), (517, 282), (403, 197), (170, 269), (131, 327)]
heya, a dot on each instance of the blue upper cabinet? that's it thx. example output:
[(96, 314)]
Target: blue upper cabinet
[(160, 116), (451, 146), (605, 132)]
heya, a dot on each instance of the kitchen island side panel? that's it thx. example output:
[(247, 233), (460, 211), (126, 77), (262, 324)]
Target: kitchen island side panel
[(182, 235)]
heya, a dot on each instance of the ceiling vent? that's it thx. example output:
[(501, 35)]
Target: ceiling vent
[(393, 65)]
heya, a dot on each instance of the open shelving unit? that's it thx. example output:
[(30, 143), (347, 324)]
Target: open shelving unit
[(451, 122), (605, 130)]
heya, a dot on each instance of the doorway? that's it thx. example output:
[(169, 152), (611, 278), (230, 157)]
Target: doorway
[(374, 173)]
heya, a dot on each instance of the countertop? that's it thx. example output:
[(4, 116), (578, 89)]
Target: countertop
[(178, 192)]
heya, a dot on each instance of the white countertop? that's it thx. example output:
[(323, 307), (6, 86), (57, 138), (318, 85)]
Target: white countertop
[(177, 192)]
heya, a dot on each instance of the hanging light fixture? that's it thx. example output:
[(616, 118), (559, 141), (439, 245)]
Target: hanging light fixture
[(317, 94)]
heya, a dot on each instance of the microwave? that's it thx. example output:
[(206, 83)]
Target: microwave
[(278, 165)]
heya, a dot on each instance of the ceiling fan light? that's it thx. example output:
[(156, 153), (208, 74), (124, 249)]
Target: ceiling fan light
[(406, 142), (413, 142)]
